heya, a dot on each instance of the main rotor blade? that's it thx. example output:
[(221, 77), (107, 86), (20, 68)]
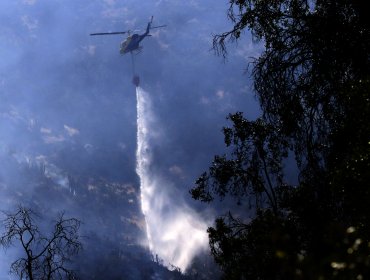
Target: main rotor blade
[(108, 33), (158, 26)]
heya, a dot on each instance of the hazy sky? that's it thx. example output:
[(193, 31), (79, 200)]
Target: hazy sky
[(63, 90)]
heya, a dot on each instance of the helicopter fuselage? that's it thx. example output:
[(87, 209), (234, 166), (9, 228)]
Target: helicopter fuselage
[(131, 43)]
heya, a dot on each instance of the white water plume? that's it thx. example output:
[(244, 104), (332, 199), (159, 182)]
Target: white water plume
[(175, 232)]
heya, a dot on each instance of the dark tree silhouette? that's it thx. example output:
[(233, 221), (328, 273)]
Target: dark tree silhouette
[(312, 82), (44, 257)]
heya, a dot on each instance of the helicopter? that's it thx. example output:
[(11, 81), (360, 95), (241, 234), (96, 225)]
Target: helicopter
[(132, 43)]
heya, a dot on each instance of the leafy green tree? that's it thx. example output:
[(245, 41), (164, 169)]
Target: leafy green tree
[(44, 257), (312, 83)]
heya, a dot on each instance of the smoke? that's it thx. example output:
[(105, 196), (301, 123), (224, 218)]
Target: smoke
[(175, 232)]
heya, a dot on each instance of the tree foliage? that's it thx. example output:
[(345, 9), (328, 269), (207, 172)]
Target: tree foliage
[(312, 83), (44, 257)]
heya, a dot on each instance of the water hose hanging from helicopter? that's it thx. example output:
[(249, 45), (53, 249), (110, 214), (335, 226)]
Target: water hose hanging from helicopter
[(135, 77)]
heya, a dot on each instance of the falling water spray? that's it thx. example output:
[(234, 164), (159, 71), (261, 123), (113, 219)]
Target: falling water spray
[(143, 155), (175, 232)]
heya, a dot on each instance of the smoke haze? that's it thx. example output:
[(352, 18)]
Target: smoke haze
[(69, 130)]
